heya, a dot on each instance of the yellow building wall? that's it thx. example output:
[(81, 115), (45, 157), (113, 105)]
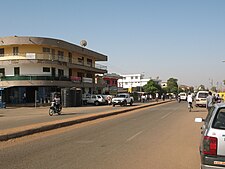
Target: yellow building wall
[(222, 95), (23, 49)]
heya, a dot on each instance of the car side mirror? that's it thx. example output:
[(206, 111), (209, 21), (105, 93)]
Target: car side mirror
[(199, 120)]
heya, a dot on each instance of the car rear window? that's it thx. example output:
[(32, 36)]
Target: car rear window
[(219, 120), (202, 95)]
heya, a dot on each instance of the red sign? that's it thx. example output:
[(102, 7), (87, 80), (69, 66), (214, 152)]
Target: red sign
[(75, 79)]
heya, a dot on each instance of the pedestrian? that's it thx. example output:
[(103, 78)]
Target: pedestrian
[(156, 97), (209, 101), (24, 97), (143, 98)]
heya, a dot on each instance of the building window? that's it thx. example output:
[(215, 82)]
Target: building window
[(2, 72), (53, 72), (60, 72), (60, 54), (46, 50), (89, 62), (81, 61), (89, 75), (15, 50), (80, 74), (1, 52), (136, 77), (16, 71), (70, 57), (46, 69), (132, 77), (53, 54)]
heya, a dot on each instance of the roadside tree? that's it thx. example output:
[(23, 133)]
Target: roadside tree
[(152, 87), (172, 86)]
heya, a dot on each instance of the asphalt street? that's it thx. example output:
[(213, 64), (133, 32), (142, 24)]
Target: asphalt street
[(15, 117), (157, 137)]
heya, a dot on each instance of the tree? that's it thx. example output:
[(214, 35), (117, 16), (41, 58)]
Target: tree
[(152, 87), (172, 86), (201, 88), (214, 89)]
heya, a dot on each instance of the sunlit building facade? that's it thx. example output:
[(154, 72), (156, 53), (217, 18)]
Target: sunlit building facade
[(39, 66)]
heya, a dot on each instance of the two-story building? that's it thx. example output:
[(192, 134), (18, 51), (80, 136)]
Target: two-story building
[(134, 81), (39, 66)]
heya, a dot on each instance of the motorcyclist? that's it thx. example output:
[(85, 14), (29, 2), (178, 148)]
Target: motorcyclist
[(190, 100), (57, 101)]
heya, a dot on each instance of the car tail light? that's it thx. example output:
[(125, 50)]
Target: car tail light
[(210, 145)]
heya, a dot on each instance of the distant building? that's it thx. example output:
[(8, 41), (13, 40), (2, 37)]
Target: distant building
[(136, 81), (111, 82)]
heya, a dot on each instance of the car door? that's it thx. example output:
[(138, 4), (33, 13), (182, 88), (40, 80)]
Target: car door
[(218, 130), (93, 98)]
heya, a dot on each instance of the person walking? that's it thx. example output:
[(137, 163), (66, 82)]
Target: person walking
[(209, 101), (190, 100)]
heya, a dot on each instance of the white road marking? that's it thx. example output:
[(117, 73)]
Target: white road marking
[(131, 138), (165, 115)]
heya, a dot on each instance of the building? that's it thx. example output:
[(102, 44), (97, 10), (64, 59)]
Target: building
[(111, 82), (35, 66), (135, 82)]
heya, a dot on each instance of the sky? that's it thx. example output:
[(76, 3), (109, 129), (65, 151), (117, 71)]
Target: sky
[(182, 39)]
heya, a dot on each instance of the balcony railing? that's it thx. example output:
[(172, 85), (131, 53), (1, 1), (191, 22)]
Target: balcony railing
[(49, 57), (14, 78)]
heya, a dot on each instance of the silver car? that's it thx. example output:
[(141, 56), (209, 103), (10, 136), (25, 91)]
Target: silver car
[(212, 146)]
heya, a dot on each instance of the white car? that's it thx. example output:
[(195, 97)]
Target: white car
[(122, 99), (200, 99), (212, 143), (94, 99)]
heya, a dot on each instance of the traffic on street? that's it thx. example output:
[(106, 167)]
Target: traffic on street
[(161, 136)]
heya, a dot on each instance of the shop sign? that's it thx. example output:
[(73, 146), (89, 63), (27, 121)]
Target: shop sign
[(87, 80)]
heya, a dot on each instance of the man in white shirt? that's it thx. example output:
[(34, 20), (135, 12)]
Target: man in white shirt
[(190, 100), (209, 101)]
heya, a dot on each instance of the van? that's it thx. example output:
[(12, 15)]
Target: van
[(200, 99), (183, 96)]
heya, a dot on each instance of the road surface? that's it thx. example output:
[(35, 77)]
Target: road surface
[(159, 137)]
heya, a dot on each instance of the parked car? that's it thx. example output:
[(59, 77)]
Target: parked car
[(212, 145), (200, 99), (122, 99), (94, 99)]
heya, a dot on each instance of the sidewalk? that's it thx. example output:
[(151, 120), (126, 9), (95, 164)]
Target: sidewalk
[(18, 122)]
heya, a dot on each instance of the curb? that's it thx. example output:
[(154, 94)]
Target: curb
[(41, 127)]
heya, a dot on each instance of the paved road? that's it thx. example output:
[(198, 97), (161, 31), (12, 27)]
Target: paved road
[(159, 137), (16, 117)]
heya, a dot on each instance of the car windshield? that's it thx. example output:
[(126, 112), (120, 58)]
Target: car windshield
[(219, 120), (202, 95), (122, 96)]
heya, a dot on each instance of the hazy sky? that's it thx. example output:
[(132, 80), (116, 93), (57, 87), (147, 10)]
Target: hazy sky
[(183, 39)]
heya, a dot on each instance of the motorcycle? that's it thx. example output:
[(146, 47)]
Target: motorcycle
[(55, 109)]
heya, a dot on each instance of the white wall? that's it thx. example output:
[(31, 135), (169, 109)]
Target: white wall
[(33, 69)]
